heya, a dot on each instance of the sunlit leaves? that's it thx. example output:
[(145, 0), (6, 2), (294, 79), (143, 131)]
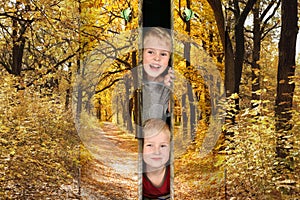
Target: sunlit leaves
[(100, 23), (203, 26), (50, 33), (38, 143)]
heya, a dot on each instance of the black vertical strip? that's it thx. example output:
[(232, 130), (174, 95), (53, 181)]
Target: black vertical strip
[(157, 13)]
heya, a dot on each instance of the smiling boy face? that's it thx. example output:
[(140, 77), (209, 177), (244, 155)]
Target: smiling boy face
[(156, 150), (156, 56)]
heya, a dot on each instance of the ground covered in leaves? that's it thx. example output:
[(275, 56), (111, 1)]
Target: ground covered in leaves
[(112, 171)]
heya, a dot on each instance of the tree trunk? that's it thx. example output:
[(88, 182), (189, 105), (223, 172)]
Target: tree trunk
[(256, 56), (216, 6), (123, 110), (229, 66), (79, 92), (117, 103), (187, 56), (67, 100), (78, 71), (286, 72), (69, 90), (239, 58), (285, 92), (79, 103), (99, 107), (192, 112), (234, 58), (18, 47), (184, 117), (127, 106), (236, 74)]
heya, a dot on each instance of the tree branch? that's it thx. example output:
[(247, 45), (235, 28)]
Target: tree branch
[(109, 85)]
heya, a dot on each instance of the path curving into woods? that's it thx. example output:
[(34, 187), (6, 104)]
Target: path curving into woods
[(112, 173)]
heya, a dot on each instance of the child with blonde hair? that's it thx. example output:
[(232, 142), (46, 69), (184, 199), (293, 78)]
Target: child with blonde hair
[(156, 156), (157, 75), (157, 48)]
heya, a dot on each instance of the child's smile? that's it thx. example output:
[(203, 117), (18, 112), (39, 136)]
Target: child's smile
[(156, 151), (156, 56), (155, 62)]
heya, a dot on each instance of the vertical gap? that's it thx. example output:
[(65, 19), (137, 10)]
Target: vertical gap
[(157, 13)]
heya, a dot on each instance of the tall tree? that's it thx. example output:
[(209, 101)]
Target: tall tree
[(19, 26), (216, 6), (263, 13), (190, 93), (286, 72), (38, 43), (234, 54), (256, 56), (100, 22), (239, 35)]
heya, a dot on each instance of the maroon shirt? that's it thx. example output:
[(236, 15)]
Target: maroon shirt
[(151, 191)]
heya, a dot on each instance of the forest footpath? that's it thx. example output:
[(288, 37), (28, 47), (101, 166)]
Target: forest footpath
[(112, 171)]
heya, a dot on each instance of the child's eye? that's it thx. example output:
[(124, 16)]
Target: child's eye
[(163, 145), (163, 54), (148, 145), (150, 52)]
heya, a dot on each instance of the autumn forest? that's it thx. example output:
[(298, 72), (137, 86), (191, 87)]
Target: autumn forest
[(69, 104)]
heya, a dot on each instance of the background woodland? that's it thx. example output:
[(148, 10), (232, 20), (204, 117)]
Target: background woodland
[(63, 61)]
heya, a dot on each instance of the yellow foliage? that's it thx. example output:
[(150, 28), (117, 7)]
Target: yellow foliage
[(38, 145)]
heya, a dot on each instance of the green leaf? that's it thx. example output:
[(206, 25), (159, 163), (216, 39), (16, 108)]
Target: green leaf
[(189, 14), (126, 14)]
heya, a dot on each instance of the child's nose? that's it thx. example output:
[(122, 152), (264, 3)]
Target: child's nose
[(157, 57), (156, 150)]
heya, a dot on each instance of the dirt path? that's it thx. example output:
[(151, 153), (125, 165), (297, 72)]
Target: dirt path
[(112, 173)]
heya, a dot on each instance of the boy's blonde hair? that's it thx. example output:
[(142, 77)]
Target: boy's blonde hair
[(155, 126), (163, 35)]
